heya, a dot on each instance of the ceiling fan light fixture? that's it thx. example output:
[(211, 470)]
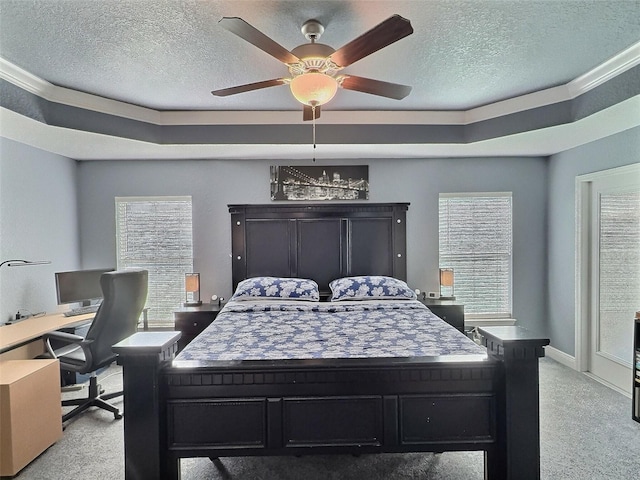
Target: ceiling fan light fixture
[(313, 88)]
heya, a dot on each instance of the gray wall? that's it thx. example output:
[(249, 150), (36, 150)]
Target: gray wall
[(38, 221), (614, 151), (38, 217), (214, 184)]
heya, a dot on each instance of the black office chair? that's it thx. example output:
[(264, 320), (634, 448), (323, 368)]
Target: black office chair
[(124, 295)]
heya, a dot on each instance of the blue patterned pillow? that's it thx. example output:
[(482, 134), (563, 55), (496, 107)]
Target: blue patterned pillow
[(277, 288), (370, 287)]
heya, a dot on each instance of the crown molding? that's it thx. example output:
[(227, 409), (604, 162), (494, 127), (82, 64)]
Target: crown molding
[(620, 63), (73, 98), (623, 61), (613, 67)]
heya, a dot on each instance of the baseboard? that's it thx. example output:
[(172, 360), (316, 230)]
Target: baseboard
[(607, 384), (570, 361), (561, 357)]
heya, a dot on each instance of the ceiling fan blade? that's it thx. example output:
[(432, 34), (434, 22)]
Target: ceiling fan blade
[(375, 87), (391, 30), (248, 87), (256, 37), (307, 113)]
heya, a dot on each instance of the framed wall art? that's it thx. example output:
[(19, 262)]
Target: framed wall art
[(320, 182)]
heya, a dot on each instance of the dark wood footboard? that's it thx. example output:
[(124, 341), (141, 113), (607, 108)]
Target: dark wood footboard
[(518, 452), (186, 409), (142, 356)]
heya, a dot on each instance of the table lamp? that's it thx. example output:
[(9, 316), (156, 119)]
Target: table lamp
[(446, 284), (192, 288)]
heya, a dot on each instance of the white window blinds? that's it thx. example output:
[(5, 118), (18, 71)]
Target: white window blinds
[(475, 240), (619, 252), (619, 276), (155, 233)]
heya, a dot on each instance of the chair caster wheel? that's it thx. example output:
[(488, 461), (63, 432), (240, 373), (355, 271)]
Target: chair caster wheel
[(117, 416)]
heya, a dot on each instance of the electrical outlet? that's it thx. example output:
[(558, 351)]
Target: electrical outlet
[(433, 295)]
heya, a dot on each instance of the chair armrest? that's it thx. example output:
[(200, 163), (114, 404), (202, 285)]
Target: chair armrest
[(64, 337)]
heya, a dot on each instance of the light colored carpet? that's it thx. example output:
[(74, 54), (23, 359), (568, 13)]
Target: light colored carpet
[(586, 433)]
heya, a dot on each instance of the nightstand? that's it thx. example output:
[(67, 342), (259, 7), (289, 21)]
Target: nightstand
[(448, 310), (190, 321)]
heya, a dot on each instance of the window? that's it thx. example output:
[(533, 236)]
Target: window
[(619, 280), (475, 240), (155, 233)]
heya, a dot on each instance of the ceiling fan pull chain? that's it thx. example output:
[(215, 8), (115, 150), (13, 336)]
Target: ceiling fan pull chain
[(313, 118)]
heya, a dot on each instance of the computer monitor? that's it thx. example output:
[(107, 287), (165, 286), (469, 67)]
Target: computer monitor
[(79, 286)]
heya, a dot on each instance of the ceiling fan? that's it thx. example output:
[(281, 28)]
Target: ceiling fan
[(314, 67)]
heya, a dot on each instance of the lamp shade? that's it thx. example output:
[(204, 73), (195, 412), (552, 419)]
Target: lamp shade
[(192, 282), (446, 277), (313, 88)]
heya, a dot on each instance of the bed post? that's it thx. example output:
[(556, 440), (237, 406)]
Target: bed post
[(517, 454), (142, 355)]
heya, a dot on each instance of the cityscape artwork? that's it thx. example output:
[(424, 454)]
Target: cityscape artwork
[(320, 182)]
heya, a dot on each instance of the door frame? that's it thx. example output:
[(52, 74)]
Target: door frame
[(583, 267)]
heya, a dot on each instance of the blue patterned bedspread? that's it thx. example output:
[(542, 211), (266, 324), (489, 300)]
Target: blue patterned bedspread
[(277, 330)]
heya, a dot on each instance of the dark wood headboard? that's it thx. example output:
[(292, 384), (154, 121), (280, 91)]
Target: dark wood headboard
[(318, 241)]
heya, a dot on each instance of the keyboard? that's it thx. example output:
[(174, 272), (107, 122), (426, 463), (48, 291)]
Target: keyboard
[(81, 310)]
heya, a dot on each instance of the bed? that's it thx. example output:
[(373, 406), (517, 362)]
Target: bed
[(291, 376)]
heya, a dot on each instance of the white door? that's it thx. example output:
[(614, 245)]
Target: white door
[(615, 275)]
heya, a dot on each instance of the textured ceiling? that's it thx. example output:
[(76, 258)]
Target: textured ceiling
[(169, 55)]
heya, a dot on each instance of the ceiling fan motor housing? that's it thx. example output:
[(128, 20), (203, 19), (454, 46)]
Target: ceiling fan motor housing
[(312, 29), (314, 57)]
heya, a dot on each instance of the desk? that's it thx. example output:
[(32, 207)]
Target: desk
[(22, 340), (30, 390)]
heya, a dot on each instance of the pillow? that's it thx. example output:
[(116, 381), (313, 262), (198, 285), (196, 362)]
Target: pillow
[(277, 288), (370, 287)]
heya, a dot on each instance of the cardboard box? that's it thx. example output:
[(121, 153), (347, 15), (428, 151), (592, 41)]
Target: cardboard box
[(30, 411)]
